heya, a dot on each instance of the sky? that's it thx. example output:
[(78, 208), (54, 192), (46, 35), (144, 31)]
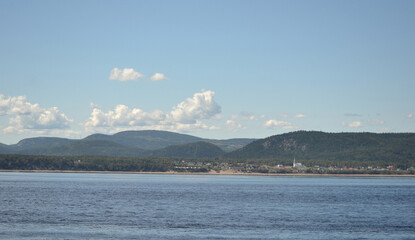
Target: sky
[(215, 69)]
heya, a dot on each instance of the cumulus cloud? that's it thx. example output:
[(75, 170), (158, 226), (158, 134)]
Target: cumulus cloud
[(410, 115), (158, 77), (201, 106), (123, 75), (275, 123), (233, 125), (186, 116), (123, 116), (15, 105), (26, 117)]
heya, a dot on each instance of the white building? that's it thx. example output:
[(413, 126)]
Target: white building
[(299, 166)]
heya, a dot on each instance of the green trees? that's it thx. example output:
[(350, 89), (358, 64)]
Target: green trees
[(86, 163), (334, 149)]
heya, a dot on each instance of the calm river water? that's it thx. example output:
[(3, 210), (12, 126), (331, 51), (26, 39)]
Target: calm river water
[(144, 206)]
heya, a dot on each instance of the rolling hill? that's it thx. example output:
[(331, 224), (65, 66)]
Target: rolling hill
[(147, 139), (39, 142), (126, 144), (190, 150), (5, 149), (152, 140), (87, 148), (307, 146)]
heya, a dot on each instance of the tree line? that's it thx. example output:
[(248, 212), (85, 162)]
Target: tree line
[(84, 163), (135, 164)]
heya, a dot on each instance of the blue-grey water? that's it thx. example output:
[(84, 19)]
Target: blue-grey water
[(141, 206)]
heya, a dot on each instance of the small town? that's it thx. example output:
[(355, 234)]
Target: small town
[(296, 167)]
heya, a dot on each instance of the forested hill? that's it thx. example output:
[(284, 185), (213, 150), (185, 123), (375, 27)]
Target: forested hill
[(313, 145), (309, 147), (190, 150), (148, 143), (4, 149), (154, 140), (147, 139)]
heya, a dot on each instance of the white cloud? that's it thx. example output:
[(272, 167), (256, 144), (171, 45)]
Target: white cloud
[(123, 75), (123, 116), (186, 116), (158, 77), (283, 115), (300, 116), (234, 126), (275, 123), (410, 115), (201, 106), (27, 117), (15, 105), (186, 127), (355, 124)]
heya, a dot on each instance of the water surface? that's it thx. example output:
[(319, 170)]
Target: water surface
[(147, 206)]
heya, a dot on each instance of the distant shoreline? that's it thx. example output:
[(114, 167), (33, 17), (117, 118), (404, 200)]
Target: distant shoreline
[(227, 172)]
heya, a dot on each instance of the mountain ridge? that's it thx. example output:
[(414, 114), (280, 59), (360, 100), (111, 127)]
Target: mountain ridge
[(307, 146), (122, 144), (314, 145), (146, 139)]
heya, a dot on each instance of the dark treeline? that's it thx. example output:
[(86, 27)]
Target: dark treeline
[(102, 163), (84, 163)]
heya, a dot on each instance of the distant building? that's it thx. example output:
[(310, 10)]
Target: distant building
[(298, 166)]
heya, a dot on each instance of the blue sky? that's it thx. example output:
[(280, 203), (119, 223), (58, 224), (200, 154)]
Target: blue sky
[(217, 69)]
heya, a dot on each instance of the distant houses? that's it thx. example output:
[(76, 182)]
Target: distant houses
[(295, 167), (298, 166)]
